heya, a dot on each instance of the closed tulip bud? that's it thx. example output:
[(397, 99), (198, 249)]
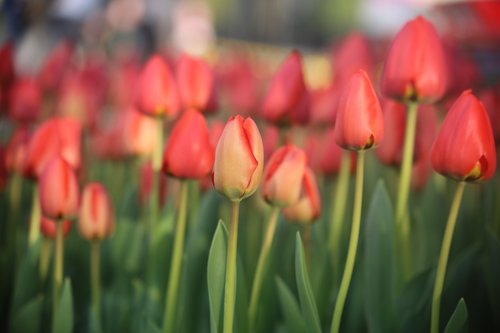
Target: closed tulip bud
[(352, 54), (465, 148), (96, 218), (360, 122), (287, 97), (283, 175), (55, 65), (25, 101), (189, 153), (58, 190), (138, 132), (157, 92), (239, 159), (308, 207), (331, 154), (415, 68), (48, 228), (391, 149), (17, 150), (75, 100), (491, 101), (196, 83)]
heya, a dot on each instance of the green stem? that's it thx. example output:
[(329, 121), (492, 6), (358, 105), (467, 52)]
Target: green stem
[(15, 191), (261, 264), (45, 253), (353, 244), (95, 280), (230, 289), (404, 186), (176, 263), (443, 256), (58, 262), (339, 199), (34, 231)]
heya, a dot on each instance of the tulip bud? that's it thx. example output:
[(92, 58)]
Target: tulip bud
[(25, 101), (138, 132), (239, 159), (55, 65), (146, 185), (352, 54), (75, 100), (283, 176), (308, 207), (188, 153), (96, 218), (48, 228), (415, 69), (360, 122), (465, 148), (331, 154), (58, 190), (157, 92), (287, 99), (196, 83)]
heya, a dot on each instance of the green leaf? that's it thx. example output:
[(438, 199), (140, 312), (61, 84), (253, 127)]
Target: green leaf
[(63, 316), (151, 327), (307, 303), (27, 283), (216, 271), (27, 318), (458, 320), (379, 263), (291, 311)]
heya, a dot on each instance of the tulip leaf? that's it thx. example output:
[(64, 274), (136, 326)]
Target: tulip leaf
[(27, 318), (458, 320), (379, 263), (291, 311), (216, 272), (27, 283), (307, 302), (63, 316)]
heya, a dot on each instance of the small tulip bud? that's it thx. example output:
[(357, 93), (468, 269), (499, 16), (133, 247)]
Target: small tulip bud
[(239, 159), (48, 228), (465, 148), (96, 218), (58, 190), (283, 175)]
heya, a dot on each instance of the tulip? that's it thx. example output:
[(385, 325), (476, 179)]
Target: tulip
[(48, 227), (25, 101), (465, 148), (352, 54), (188, 153), (308, 207), (123, 81), (239, 158), (360, 123), (96, 218), (55, 65), (7, 74), (146, 185), (196, 83), (58, 190), (415, 68), (16, 150), (138, 133), (491, 100), (157, 92), (76, 100), (323, 105), (282, 184), (287, 99)]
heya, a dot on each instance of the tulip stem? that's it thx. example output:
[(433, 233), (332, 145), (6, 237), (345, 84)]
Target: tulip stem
[(95, 282), (353, 244), (443, 256), (176, 263), (45, 253), (230, 288), (34, 231), (58, 262), (402, 223), (261, 265), (339, 199)]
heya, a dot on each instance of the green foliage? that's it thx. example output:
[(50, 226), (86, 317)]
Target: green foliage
[(458, 320)]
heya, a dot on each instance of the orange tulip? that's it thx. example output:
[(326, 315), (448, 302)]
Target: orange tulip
[(96, 217), (308, 207)]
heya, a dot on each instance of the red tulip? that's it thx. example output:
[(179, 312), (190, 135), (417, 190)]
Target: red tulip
[(7, 71), (48, 228), (75, 100), (138, 133), (331, 154), (216, 129), (308, 208), (415, 68), (16, 150), (323, 105), (270, 139), (55, 65), (465, 148), (157, 92), (491, 100), (239, 159), (196, 83), (96, 217), (283, 175), (188, 152), (352, 54), (58, 190), (391, 149), (360, 123), (287, 99), (55, 136), (25, 101)]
